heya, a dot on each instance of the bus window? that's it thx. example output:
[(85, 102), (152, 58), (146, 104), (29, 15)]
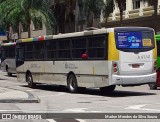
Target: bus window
[(38, 50), (96, 47), (29, 51), (64, 49), (50, 50), (78, 47)]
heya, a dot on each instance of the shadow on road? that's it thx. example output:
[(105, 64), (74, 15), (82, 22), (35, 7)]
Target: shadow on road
[(95, 92), (13, 75)]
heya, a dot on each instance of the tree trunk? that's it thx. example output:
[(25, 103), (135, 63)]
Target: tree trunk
[(90, 19), (28, 27), (155, 5), (19, 30), (121, 18)]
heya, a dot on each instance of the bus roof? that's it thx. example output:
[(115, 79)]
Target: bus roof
[(78, 34), (8, 44)]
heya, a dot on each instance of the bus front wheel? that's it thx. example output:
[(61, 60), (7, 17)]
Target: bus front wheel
[(108, 89), (29, 80), (72, 83)]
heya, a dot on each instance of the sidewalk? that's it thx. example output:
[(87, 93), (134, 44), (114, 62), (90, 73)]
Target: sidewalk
[(16, 96)]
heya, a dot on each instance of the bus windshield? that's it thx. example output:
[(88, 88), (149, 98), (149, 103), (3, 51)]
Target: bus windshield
[(134, 40)]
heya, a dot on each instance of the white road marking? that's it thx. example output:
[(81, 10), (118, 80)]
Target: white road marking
[(80, 120), (136, 106), (9, 110), (30, 90), (78, 110), (50, 120), (56, 95), (139, 107)]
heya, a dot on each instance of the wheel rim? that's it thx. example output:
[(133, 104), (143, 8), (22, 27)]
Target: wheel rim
[(29, 80), (72, 84)]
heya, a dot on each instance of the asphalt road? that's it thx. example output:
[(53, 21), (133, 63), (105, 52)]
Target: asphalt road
[(56, 99)]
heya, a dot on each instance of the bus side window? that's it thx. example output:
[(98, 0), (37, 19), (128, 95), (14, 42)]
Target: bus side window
[(38, 50), (79, 47), (20, 54), (96, 47)]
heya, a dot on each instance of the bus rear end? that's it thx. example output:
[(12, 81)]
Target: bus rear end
[(136, 52)]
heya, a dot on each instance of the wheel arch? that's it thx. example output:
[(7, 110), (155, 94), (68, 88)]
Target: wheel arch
[(71, 72)]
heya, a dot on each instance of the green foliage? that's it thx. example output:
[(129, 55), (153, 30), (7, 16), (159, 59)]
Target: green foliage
[(94, 6), (15, 11), (108, 9)]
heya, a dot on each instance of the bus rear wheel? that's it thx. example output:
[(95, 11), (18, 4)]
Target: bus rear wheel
[(29, 80), (153, 86), (7, 70), (108, 89), (72, 83)]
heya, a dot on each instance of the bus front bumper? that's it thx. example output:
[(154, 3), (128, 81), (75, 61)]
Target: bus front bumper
[(133, 80)]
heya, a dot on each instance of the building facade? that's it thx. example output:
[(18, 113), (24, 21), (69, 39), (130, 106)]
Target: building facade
[(136, 13)]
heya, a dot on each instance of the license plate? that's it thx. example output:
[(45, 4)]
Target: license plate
[(135, 65)]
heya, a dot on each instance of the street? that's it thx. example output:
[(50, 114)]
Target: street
[(57, 99)]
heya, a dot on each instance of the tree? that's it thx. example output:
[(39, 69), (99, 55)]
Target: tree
[(25, 11), (92, 8), (121, 4), (108, 9), (6, 6), (155, 6), (38, 9)]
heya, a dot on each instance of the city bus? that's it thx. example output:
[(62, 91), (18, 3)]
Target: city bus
[(157, 83), (8, 61), (93, 58)]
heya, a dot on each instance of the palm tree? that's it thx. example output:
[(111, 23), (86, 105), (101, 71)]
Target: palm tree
[(108, 9), (37, 9), (6, 6), (92, 8), (25, 11)]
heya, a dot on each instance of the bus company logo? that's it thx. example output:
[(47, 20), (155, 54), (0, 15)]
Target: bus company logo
[(144, 57), (70, 66), (66, 66)]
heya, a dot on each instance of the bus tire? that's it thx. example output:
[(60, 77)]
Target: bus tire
[(72, 83), (29, 80), (153, 86), (7, 70), (108, 89)]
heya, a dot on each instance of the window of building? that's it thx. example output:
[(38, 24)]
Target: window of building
[(136, 4)]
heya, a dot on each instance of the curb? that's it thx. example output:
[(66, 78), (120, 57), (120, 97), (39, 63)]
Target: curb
[(31, 99)]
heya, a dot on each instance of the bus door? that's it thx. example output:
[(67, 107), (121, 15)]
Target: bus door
[(20, 58)]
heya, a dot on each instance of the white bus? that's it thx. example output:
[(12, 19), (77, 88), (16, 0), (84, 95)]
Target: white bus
[(100, 58), (8, 62)]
